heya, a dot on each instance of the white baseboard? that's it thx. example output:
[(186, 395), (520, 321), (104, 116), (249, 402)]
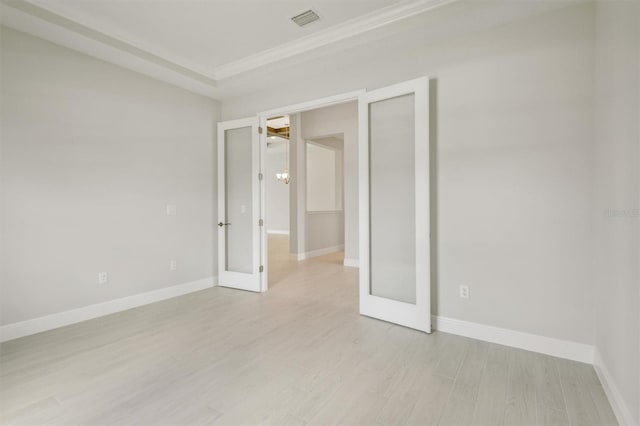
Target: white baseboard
[(532, 342), (354, 263), (319, 252), (60, 319), (620, 408), (278, 231)]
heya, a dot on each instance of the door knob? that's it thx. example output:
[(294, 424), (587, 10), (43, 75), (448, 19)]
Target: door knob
[(223, 224)]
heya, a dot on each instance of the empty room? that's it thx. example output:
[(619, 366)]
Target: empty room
[(320, 212)]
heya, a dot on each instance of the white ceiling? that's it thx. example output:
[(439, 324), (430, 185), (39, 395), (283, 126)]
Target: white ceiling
[(209, 33), (279, 123), (231, 48), (196, 44)]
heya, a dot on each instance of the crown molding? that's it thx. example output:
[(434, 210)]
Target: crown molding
[(52, 22), (30, 17), (385, 16), (117, 36)]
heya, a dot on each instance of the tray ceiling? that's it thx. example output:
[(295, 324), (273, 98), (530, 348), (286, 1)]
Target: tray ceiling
[(196, 43)]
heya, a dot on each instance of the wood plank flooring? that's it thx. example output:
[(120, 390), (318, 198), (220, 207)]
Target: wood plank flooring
[(298, 354)]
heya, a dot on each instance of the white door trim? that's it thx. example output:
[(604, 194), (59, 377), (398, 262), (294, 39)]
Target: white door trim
[(242, 281), (416, 316), (264, 238), (314, 104)]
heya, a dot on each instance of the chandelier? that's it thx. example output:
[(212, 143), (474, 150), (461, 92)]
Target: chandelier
[(278, 129), (284, 177)]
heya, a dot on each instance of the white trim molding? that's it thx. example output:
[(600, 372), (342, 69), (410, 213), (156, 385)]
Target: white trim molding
[(531, 342), (353, 263), (63, 25), (353, 27), (313, 104), (278, 231), (41, 20), (60, 319), (319, 252), (620, 408)]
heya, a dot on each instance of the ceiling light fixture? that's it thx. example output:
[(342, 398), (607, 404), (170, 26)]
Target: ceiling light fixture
[(284, 176)]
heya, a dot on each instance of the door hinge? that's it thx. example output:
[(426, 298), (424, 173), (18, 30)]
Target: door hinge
[(260, 177), (260, 222), (260, 129), (261, 268)]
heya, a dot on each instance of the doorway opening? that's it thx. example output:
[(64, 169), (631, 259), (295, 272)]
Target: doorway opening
[(277, 198), (307, 217), (385, 195)]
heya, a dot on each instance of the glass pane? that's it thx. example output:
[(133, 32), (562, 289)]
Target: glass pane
[(238, 198), (391, 197)]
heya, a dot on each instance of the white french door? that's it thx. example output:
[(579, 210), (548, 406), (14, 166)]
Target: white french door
[(394, 204), (239, 205)]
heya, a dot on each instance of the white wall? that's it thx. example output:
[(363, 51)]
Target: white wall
[(512, 143), (297, 188), (617, 217), (277, 193), (324, 122), (91, 156), (314, 231), (324, 177), (324, 228)]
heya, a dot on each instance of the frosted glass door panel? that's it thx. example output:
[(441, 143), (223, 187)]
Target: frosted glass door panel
[(238, 200), (393, 159), (392, 222)]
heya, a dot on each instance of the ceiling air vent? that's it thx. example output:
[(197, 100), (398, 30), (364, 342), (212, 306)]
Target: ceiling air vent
[(305, 18)]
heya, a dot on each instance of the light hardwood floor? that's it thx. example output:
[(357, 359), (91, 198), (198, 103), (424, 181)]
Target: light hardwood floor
[(281, 263), (298, 354)]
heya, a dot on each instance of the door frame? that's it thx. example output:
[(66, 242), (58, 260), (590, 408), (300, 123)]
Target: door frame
[(262, 120)]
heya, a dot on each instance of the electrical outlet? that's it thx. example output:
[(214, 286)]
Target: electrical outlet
[(173, 265), (463, 291), (103, 277), (172, 210)]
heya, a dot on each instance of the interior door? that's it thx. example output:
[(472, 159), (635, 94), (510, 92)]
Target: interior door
[(394, 204), (239, 205)]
